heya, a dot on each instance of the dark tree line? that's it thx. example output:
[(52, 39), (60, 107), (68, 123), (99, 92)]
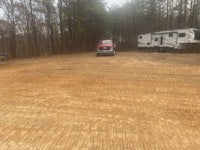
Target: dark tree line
[(45, 27), (143, 16)]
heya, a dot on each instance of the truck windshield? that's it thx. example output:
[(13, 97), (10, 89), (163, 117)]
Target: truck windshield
[(105, 42), (196, 34)]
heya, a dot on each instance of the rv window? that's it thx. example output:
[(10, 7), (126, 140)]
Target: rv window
[(156, 39), (197, 34), (181, 34), (170, 34), (140, 37)]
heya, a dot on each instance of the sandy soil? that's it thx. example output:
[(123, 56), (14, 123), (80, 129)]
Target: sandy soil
[(79, 101)]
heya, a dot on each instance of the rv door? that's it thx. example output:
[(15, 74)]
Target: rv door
[(156, 40), (172, 40)]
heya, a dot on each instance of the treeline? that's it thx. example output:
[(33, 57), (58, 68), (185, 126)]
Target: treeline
[(44, 27), (143, 16)]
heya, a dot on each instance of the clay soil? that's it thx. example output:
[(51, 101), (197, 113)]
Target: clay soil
[(142, 101)]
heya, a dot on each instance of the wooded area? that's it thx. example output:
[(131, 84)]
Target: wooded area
[(44, 27)]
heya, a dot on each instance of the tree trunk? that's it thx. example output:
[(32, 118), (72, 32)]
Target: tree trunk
[(60, 5), (13, 45)]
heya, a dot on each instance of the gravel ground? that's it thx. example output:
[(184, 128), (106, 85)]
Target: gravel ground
[(79, 101)]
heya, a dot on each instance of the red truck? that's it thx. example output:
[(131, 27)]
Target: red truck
[(106, 47)]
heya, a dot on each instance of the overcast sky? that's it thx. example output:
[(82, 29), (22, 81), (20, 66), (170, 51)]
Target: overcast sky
[(115, 2)]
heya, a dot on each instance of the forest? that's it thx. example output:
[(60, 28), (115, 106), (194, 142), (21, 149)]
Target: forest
[(33, 28)]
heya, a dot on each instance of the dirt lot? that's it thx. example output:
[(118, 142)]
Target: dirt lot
[(79, 101)]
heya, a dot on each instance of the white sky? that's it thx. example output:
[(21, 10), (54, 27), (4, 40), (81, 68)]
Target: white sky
[(115, 2)]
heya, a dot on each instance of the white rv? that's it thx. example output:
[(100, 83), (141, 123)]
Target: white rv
[(174, 39)]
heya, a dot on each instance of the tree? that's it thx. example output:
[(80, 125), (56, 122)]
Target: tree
[(9, 6)]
